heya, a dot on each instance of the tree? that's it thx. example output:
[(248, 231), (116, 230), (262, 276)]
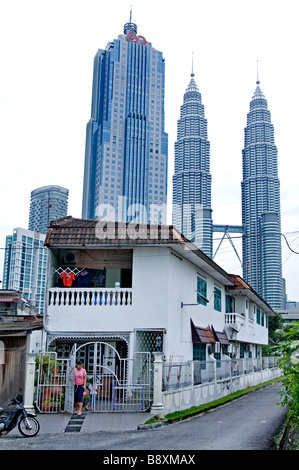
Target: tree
[(288, 348), (274, 331)]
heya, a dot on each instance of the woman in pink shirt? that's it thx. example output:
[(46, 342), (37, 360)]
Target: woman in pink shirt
[(80, 385)]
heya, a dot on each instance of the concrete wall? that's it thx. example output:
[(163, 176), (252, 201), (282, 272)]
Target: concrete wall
[(187, 397)]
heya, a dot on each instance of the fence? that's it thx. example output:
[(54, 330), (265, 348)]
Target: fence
[(178, 375), (125, 388), (194, 383), (51, 381)]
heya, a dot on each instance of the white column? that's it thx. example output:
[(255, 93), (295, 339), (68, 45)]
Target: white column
[(29, 382), (157, 407)]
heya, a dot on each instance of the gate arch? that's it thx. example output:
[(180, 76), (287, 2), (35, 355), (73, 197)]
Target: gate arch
[(121, 384), (118, 384)]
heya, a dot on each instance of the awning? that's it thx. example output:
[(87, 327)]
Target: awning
[(8, 299), (208, 335), (202, 335), (221, 337)]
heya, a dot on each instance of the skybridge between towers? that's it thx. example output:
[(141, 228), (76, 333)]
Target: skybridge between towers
[(227, 230)]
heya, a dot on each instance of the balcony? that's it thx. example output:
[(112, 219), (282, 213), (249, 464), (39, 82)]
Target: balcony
[(233, 324), (93, 297)]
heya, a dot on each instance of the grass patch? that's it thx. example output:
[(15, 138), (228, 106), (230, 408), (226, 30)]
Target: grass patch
[(195, 410)]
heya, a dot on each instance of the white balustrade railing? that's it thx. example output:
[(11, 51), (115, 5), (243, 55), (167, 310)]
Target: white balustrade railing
[(72, 296), (235, 318)]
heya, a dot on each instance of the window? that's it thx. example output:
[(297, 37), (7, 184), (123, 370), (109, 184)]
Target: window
[(201, 291), (229, 304), (199, 352), (258, 316), (217, 356), (217, 299)]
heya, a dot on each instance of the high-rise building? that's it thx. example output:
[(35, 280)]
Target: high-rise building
[(261, 219), (125, 174), (192, 213), (47, 204), (25, 265)]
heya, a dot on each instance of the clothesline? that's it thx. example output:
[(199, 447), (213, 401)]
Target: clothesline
[(75, 271), (69, 275)]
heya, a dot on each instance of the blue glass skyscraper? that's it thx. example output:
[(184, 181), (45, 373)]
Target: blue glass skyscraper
[(125, 174), (47, 204), (261, 219), (192, 213)]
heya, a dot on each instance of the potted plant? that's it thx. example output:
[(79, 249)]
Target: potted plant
[(46, 405)]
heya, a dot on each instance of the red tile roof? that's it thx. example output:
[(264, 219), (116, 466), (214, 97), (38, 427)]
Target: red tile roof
[(71, 231), (240, 284)]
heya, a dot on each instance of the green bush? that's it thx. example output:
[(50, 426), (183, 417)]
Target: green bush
[(288, 348)]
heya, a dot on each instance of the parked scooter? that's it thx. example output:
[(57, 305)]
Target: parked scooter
[(26, 421)]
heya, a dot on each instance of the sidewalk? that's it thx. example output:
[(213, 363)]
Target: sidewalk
[(88, 422)]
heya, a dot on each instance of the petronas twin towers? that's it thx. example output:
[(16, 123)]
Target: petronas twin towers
[(192, 211)]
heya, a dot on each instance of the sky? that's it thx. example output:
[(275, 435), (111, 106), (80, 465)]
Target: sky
[(46, 60)]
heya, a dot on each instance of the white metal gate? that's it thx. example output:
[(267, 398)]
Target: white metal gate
[(51, 382), (115, 384)]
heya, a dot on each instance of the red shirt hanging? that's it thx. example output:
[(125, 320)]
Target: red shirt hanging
[(68, 278)]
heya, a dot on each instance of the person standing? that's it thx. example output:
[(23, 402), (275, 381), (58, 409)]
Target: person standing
[(80, 385), (93, 392)]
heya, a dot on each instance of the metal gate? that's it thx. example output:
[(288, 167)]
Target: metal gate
[(115, 384), (51, 382)]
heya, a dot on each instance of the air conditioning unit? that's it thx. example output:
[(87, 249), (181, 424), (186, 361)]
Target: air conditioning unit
[(217, 347), (69, 257), (230, 348)]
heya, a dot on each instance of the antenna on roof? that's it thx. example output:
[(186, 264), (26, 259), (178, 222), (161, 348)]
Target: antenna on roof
[(131, 15), (192, 73), (257, 73)]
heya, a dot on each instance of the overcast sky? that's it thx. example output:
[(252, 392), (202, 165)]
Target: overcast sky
[(47, 52)]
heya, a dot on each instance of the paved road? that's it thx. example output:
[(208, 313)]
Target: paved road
[(248, 423)]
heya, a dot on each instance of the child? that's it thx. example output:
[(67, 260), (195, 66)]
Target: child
[(92, 392)]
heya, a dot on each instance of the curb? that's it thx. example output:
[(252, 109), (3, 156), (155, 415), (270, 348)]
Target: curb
[(146, 427)]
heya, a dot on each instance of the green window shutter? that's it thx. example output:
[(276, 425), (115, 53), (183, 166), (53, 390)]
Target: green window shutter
[(217, 299), (258, 316), (201, 289), (199, 352)]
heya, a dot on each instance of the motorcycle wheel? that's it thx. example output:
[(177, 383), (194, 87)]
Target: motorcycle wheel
[(28, 427)]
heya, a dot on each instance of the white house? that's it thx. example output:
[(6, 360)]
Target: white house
[(131, 284), (118, 293)]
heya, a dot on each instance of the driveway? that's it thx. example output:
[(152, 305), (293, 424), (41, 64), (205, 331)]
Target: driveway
[(247, 423)]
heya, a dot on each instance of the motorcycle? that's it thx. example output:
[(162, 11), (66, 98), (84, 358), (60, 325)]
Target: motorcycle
[(27, 423)]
